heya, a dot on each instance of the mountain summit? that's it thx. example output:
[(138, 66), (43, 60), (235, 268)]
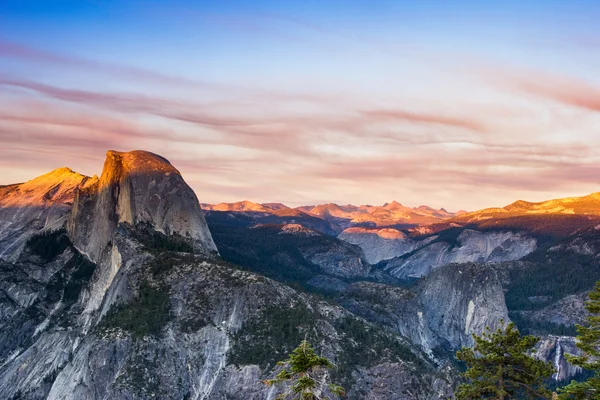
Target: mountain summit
[(116, 291), (42, 203), (136, 187)]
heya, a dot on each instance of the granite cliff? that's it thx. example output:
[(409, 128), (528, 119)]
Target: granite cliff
[(124, 296)]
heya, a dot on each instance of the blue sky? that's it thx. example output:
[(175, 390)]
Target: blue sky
[(352, 101)]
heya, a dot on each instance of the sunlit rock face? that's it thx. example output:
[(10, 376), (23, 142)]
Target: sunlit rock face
[(136, 187), (40, 204), (379, 243), (586, 205), (158, 314)]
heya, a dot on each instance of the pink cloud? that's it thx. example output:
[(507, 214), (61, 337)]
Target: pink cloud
[(407, 116), (562, 89)]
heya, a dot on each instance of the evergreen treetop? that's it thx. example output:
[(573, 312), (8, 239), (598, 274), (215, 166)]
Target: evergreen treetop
[(588, 341), (500, 367), (307, 372)]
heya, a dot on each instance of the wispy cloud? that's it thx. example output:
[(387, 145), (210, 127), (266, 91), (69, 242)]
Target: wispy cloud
[(560, 88), (424, 118), (30, 54)]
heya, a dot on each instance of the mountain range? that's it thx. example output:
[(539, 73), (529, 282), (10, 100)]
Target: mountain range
[(343, 216), (124, 286)]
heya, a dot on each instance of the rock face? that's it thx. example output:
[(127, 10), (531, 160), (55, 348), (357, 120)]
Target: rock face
[(334, 257), (137, 187), (380, 244), (553, 348), (185, 326), (131, 301), (568, 311), (462, 299), (443, 310), (40, 204), (397, 308), (469, 246)]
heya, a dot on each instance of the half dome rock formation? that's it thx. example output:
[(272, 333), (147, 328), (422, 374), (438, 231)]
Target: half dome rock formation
[(40, 204), (136, 187)]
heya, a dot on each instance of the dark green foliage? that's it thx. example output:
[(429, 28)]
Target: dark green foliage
[(49, 245), (500, 367), (193, 324), (165, 261), (545, 227), (157, 242), (528, 326), (449, 236), (588, 341), (265, 339), (17, 396), (83, 269), (555, 274), (265, 251), (33, 312), (67, 284), (198, 310), (146, 314), (306, 371)]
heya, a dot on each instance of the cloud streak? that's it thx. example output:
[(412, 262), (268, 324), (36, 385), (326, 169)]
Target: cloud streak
[(350, 151), (424, 118), (9, 49)]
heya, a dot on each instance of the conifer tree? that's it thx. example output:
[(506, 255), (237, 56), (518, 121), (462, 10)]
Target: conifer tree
[(588, 341), (308, 375), (500, 367)]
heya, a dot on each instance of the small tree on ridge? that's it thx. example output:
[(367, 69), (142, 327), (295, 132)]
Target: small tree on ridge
[(308, 374)]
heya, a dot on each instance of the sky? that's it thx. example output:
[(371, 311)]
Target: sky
[(462, 104)]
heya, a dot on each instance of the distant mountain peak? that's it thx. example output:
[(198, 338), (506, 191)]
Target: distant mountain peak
[(586, 205), (240, 206)]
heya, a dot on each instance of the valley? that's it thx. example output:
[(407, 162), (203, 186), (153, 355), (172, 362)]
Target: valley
[(125, 286)]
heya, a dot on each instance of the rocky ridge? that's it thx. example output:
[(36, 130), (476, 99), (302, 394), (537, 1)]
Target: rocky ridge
[(40, 204), (133, 277)]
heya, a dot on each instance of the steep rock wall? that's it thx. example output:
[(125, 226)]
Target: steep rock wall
[(136, 187), (470, 246)]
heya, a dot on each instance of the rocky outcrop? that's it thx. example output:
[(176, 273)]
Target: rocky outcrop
[(380, 244), (463, 299), (186, 326), (397, 308), (41, 204), (468, 246), (568, 311), (553, 349), (442, 311), (132, 302), (137, 187)]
